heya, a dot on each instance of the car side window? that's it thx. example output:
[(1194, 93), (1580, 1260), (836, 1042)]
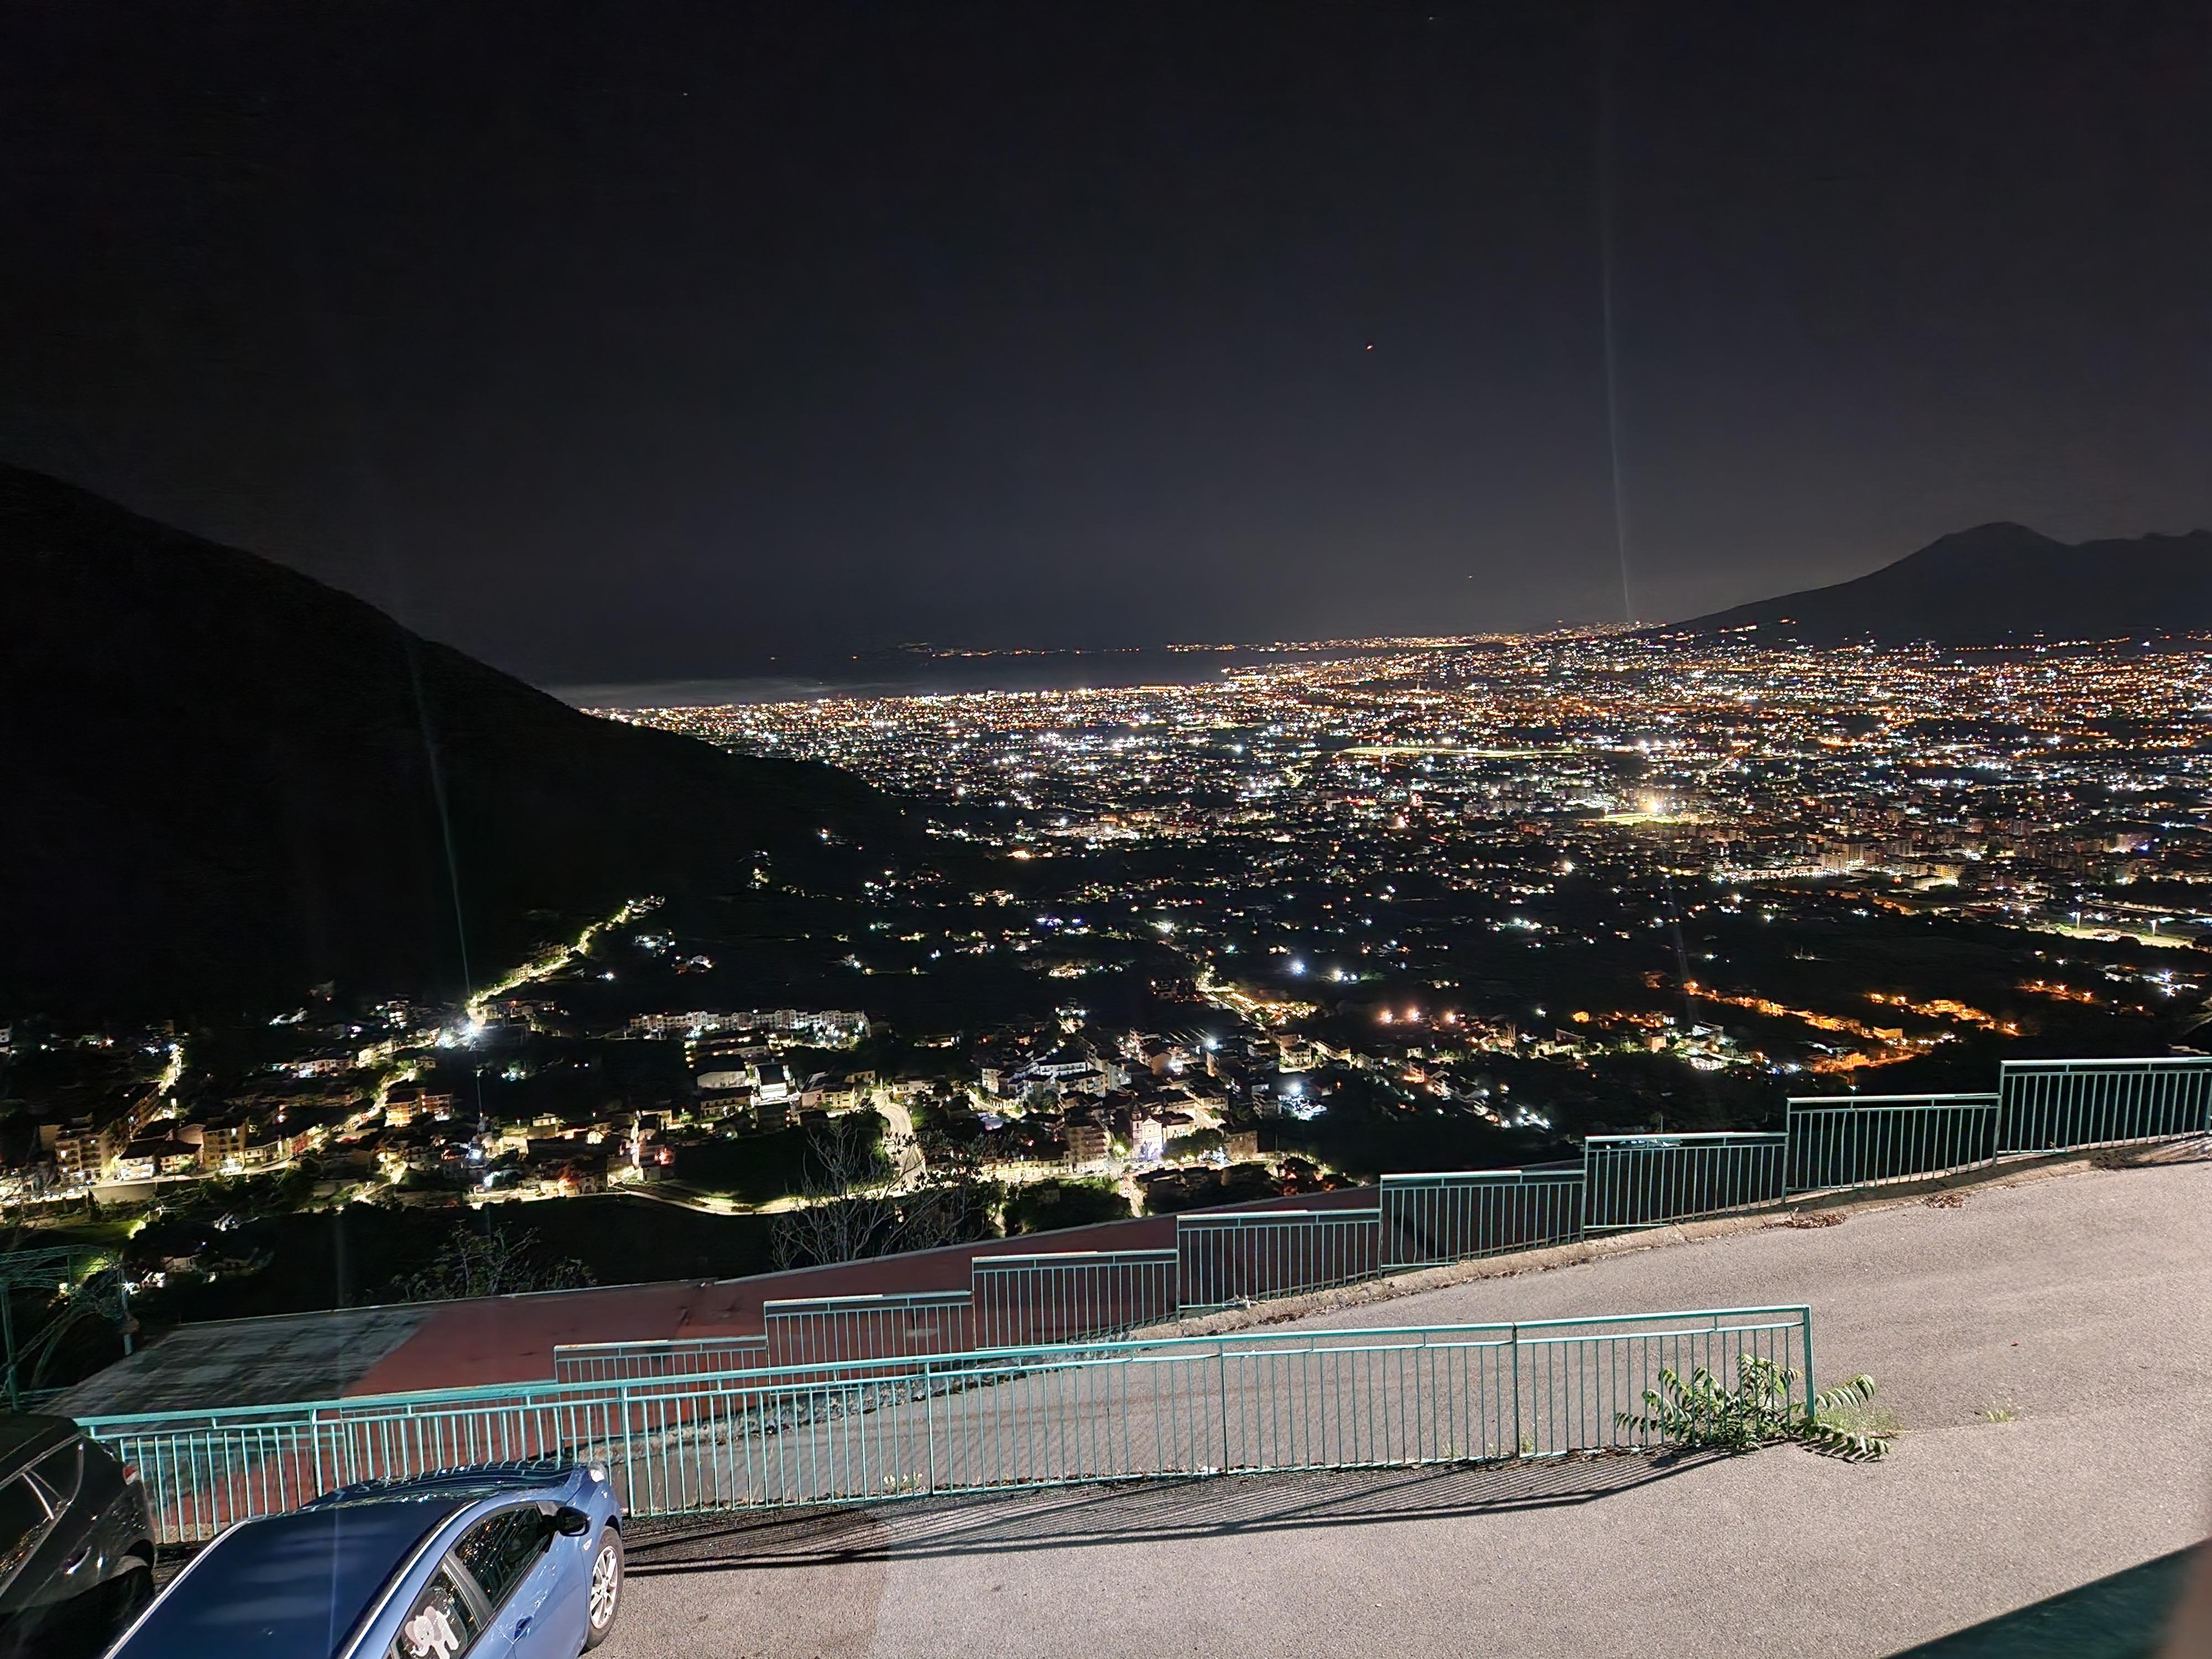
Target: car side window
[(24, 1518), (58, 1471), (442, 1623), (501, 1548)]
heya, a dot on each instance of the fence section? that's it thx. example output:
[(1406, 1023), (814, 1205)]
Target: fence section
[(1230, 1257), (1647, 1181), (830, 1330), (203, 1470), (1431, 1218), (978, 1421), (2055, 1105), (1843, 1143), (1574, 1375), (1071, 1295)]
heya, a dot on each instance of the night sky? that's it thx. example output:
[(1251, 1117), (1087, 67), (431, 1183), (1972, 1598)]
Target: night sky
[(637, 341)]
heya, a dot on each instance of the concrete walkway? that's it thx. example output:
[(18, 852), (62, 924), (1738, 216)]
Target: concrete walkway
[(2047, 1345)]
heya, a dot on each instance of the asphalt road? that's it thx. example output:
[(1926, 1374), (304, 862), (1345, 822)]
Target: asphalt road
[(2045, 1345)]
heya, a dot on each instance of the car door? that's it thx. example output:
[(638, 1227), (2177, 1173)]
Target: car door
[(27, 1519), (558, 1594), (506, 1555), (71, 1546)]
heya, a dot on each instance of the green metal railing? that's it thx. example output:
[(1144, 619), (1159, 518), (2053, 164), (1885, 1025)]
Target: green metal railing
[(1069, 1296), (981, 1421), (2061, 1105), (1233, 1256), (829, 1330), (1647, 1181), (1839, 1143), (1431, 1218)]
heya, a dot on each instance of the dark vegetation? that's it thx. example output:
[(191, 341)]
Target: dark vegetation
[(363, 1254), (1202, 1189), (498, 1260), (851, 1209), (757, 1169), (1043, 1206)]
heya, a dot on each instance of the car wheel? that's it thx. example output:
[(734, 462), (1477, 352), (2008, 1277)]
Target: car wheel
[(605, 1594), (132, 1589)]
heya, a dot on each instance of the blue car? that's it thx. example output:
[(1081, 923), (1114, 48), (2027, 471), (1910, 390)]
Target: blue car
[(504, 1562)]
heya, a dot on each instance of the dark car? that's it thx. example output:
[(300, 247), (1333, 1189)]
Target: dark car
[(503, 1563), (76, 1552)]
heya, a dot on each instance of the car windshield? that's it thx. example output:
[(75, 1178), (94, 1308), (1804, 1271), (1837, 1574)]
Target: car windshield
[(290, 1587)]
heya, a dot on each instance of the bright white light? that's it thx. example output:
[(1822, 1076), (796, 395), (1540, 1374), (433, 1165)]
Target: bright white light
[(1298, 965)]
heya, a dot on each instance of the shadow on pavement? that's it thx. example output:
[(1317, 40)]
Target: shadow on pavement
[(1139, 1511)]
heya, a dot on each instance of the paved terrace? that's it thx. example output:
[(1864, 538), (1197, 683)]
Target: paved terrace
[(2046, 1344)]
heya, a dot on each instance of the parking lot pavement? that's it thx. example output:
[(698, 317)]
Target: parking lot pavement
[(2045, 1345)]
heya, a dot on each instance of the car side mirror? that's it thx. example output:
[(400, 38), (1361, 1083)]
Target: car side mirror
[(571, 1522)]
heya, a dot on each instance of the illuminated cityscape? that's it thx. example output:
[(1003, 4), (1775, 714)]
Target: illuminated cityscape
[(1382, 904), (1400, 832)]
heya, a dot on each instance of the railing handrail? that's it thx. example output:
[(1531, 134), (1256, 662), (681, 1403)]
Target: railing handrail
[(1980, 1098), (1230, 1224), (990, 1263), (737, 1338), (1795, 1309), (2004, 1066), (871, 1299), (1439, 1178)]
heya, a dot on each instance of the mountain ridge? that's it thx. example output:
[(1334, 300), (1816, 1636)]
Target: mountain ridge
[(1994, 583), (231, 781)]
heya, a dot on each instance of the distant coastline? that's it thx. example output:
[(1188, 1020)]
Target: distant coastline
[(948, 676)]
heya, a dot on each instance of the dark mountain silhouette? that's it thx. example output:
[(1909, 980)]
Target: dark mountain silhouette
[(1999, 584), (226, 782)]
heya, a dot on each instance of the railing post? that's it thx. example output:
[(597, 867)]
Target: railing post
[(1805, 1324), (629, 1461), (1221, 1356), (929, 1417), (1516, 1389)]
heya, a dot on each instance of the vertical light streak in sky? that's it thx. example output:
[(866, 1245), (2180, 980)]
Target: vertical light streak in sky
[(1603, 169)]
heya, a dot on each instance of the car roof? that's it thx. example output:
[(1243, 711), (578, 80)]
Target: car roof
[(25, 1435), (292, 1586), (483, 1480)]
